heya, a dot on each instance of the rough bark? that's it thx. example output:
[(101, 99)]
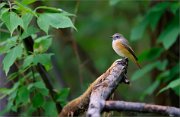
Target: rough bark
[(140, 107), (79, 105)]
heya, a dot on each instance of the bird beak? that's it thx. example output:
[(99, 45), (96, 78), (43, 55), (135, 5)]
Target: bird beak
[(110, 37)]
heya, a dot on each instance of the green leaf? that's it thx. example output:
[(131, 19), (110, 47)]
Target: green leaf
[(62, 96), (42, 44), (113, 2), (44, 59), (23, 95), (27, 61), (27, 17), (2, 11), (11, 57), (2, 4), (29, 31), (151, 54), (24, 9), (38, 100), (150, 89), (138, 74), (138, 31), (27, 2), (56, 20), (151, 18), (174, 7), (12, 21), (39, 85), (162, 65), (50, 109), (169, 36), (52, 9), (173, 84)]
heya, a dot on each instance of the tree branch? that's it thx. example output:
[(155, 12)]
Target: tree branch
[(140, 107), (105, 88), (80, 104)]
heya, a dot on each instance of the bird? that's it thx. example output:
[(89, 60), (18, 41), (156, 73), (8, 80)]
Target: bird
[(122, 48)]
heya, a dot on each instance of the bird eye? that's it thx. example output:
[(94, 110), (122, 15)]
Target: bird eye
[(117, 36)]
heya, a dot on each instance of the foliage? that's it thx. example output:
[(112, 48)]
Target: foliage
[(28, 91), (167, 37), (76, 63)]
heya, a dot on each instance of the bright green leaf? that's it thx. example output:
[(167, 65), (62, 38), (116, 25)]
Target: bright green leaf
[(24, 9), (42, 44), (169, 36), (37, 100), (27, 17), (12, 21), (27, 61), (50, 109), (2, 4), (44, 59), (11, 56), (26, 2), (30, 31), (173, 84), (52, 9), (2, 11), (56, 20)]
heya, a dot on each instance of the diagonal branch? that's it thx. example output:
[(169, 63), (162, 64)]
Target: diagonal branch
[(79, 105), (140, 107), (102, 91)]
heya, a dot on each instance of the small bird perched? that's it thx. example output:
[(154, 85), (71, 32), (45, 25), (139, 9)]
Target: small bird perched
[(122, 48)]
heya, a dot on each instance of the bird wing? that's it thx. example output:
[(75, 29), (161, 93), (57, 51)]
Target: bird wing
[(125, 44)]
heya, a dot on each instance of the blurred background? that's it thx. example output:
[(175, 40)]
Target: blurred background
[(152, 29)]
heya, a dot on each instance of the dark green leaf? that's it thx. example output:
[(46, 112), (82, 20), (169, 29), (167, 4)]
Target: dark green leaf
[(23, 95), (62, 96), (56, 20), (174, 7), (11, 56), (162, 65), (151, 89), (42, 44), (173, 84), (38, 100), (138, 31), (170, 33), (151, 54), (138, 74), (12, 21)]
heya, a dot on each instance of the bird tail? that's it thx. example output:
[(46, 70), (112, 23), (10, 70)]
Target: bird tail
[(136, 62)]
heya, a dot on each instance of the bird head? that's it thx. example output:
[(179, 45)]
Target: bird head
[(116, 36)]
